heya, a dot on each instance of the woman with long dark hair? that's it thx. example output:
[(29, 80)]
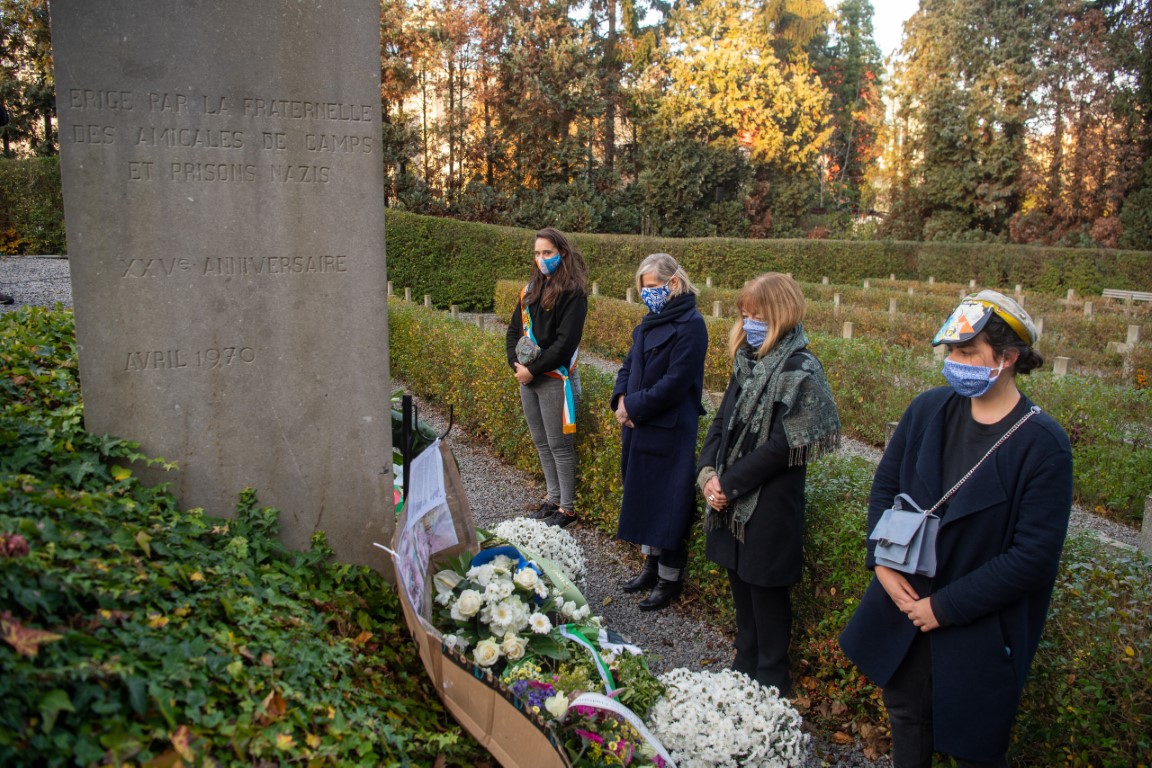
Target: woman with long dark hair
[(543, 336)]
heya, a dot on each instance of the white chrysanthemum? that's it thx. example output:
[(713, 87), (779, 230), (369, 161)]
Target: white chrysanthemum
[(726, 719), (509, 615), (487, 653), (540, 623), (542, 590), (444, 598), (466, 605), (456, 642), (497, 590), (546, 541), (481, 574), (568, 609)]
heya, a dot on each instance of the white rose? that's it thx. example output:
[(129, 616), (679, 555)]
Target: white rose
[(526, 578), (446, 581), (467, 605), (487, 653), (568, 609), (557, 705), (514, 647)]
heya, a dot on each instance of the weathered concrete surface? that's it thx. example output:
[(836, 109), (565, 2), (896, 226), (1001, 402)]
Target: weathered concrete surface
[(223, 196)]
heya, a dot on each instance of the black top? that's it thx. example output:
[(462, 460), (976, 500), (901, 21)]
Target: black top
[(557, 331), (967, 440)]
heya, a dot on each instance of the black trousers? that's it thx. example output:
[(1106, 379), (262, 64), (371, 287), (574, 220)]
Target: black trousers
[(908, 699), (763, 631)]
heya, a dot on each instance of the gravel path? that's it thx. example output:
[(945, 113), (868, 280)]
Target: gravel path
[(681, 636)]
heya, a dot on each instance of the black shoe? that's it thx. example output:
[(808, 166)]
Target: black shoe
[(647, 577), (6, 299), (545, 510), (562, 518), (662, 595)]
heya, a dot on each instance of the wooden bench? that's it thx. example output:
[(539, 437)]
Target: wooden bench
[(1115, 293)]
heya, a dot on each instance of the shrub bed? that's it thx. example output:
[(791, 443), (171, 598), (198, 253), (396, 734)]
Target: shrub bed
[(138, 633)]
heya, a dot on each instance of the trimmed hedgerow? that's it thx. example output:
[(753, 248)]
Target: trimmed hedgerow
[(459, 262), (134, 632)]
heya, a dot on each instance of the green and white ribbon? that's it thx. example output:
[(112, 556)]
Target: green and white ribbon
[(573, 633)]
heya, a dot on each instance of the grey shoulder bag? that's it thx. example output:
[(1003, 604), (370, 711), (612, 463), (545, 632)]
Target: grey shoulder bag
[(906, 538)]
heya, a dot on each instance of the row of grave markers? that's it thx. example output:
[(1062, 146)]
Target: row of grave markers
[(1060, 367)]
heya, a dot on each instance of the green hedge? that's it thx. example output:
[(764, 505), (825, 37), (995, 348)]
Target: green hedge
[(458, 262), (1089, 702)]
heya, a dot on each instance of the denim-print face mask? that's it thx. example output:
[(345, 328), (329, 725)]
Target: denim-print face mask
[(656, 298), (548, 265), (970, 380), (756, 331)]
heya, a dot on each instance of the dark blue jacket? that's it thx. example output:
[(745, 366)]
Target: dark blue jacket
[(662, 381), (998, 550)]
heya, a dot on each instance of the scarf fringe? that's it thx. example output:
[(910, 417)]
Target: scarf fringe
[(802, 454)]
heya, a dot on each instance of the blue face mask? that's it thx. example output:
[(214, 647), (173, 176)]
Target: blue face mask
[(756, 331), (970, 380), (548, 265), (656, 298)]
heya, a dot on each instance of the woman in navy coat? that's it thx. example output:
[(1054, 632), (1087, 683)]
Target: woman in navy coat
[(951, 652), (657, 402)]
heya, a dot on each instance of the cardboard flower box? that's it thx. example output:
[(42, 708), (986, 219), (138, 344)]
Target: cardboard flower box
[(435, 524)]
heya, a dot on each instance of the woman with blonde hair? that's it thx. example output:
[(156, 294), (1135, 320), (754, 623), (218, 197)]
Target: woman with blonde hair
[(657, 402), (777, 415)]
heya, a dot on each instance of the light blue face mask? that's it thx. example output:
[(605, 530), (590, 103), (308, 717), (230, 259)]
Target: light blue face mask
[(970, 380), (756, 331), (656, 298), (548, 265)]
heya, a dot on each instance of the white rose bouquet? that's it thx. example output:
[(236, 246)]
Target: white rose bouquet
[(499, 608), (725, 718)]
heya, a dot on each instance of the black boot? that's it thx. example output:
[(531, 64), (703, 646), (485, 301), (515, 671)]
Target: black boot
[(662, 595), (647, 577), (546, 509)]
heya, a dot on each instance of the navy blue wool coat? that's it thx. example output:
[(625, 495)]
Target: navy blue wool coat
[(998, 550), (661, 381)]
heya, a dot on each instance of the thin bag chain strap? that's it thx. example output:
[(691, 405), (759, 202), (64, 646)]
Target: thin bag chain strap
[(1031, 412)]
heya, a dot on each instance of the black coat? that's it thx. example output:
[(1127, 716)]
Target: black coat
[(998, 549), (772, 550), (661, 381)]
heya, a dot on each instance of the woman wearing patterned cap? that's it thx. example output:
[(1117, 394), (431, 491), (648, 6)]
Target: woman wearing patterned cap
[(951, 651)]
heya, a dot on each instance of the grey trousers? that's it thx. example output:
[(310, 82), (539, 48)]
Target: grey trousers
[(543, 402)]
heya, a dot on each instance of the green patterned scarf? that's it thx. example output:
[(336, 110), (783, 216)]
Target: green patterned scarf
[(811, 422)]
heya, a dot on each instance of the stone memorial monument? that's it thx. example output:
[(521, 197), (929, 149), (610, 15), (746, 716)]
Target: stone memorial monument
[(223, 197)]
